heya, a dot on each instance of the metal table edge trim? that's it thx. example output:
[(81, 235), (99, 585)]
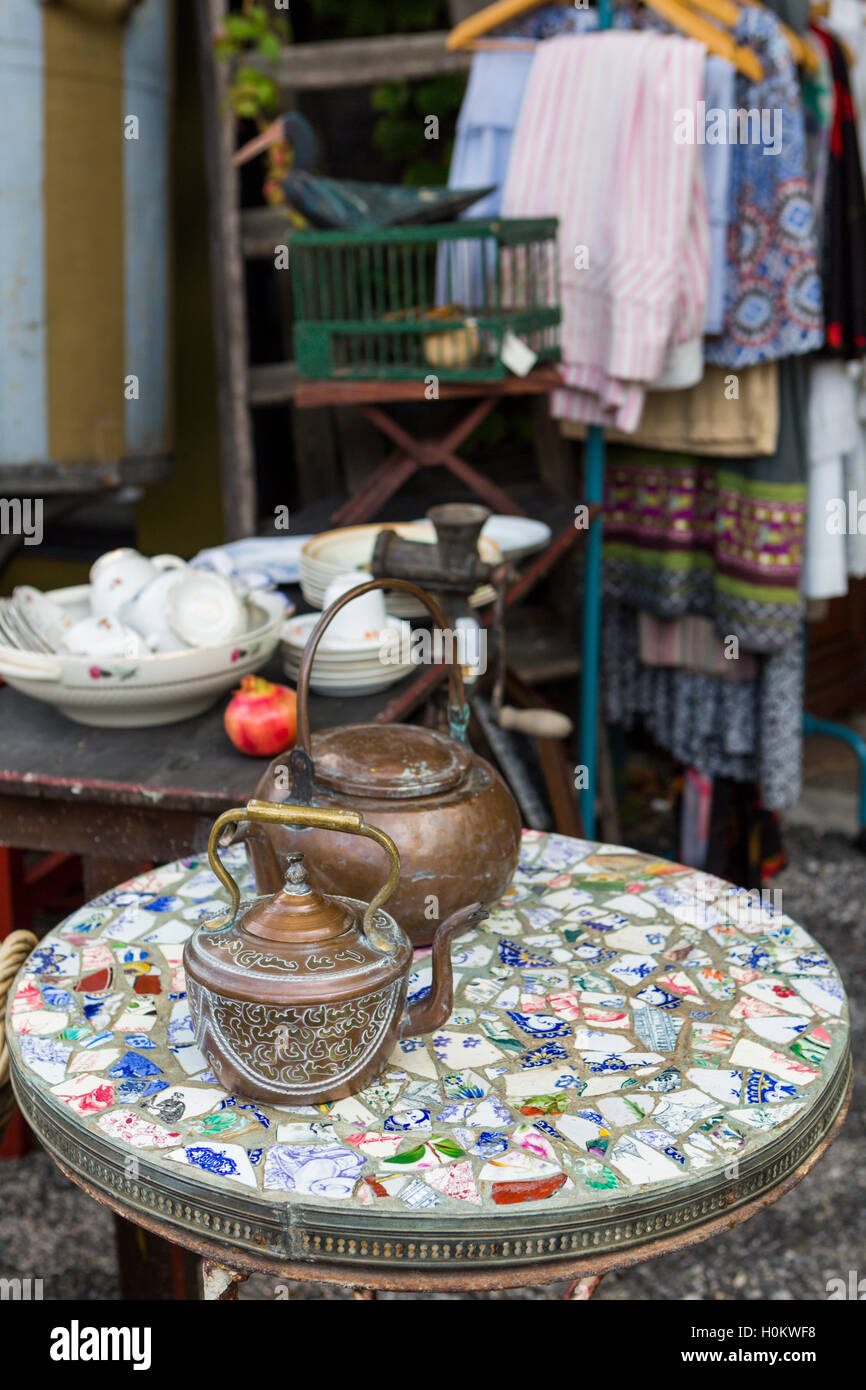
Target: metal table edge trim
[(294, 1232)]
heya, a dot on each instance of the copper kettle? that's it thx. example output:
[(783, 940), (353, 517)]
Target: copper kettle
[(454, 821), (299, 998)]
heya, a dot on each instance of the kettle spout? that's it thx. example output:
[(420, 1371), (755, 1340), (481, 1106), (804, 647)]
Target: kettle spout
[(435, 1008)]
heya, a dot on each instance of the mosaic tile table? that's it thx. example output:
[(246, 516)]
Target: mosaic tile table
[(637, 1057)]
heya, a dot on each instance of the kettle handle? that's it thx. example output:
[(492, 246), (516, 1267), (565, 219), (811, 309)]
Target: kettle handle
[(271, 813), (457, 711)]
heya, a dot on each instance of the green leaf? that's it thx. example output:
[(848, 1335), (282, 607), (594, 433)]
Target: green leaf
[(270, 46), (409, 1156), (238, 26), (448, 1148)]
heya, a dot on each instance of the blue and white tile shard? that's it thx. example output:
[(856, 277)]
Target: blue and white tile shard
[(620, 1023)]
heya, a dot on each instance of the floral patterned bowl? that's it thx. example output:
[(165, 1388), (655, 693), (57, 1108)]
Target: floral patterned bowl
[(158, 688)]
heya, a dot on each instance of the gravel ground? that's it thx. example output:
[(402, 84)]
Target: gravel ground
[(789, 1251)]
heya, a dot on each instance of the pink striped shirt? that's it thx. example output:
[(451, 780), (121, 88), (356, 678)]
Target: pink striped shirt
[(595, 147)]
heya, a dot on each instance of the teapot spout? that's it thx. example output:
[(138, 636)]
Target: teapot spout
[(435, 1008)]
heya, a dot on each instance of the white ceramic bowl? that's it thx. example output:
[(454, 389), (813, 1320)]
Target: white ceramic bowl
[(160, 688)]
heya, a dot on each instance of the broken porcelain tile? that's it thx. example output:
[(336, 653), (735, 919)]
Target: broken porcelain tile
[(457, 1050), (303, 1131), (751, 1054), (761, 1088), (456, 1181), (380, 1097), (130, 1127), (38, 1022), (220, 1160), (375, 1145), (404, 1121), (780, 1028), (586, 1129), (190, 1058), (320, 1170), (517, 1166), (540, 1079), (47, 1058), (768, 1117), (656, 1029), (184, 1103), (221, 1125), (134, 1064), (531, 1139), (541, 1056), (413, 1055), (352, 1111), (565, 1005), (724, 1085), (417, 1194), (682, 1111), (640, 1163), (467, 1085), (480, 991), (624, 1110), (429, 1155), (712, 1038), (85, 1094)]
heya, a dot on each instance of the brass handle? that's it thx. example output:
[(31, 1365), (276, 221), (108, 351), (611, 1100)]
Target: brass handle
[(271, 813), (456, 698)]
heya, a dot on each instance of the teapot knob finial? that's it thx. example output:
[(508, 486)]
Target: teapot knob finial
[(297, 879)]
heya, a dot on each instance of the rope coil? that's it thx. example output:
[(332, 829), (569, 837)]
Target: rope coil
[(13, 953)]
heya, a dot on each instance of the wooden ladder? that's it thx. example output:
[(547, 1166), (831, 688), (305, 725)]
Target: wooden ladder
[(237, 236)]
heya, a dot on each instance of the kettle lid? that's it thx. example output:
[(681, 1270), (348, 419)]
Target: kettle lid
[(392, 761), (297, 912)]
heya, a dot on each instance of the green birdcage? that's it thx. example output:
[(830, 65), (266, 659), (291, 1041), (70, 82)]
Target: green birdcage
[(403, 302)]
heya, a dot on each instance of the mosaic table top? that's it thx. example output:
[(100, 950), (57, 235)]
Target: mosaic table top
[(634, 1048)]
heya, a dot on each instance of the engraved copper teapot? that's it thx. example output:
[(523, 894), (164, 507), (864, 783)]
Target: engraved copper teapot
[(454, 821), (300, 997)]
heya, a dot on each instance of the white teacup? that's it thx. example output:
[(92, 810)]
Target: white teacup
[(120, 575), (361, 620), (205, 609), (103, 637), (147, 614), (43, 614)]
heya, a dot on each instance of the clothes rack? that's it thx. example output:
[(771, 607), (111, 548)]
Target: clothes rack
[(594, 461)]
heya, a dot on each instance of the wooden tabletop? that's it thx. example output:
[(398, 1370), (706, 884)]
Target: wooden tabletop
[(189, 766)]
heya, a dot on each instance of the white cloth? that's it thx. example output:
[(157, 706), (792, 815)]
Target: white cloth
[(595, 146), (846, 21), (833, 438), (258, 562)]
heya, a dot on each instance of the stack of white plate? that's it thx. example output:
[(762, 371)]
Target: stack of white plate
[(351, 548), (343, 666)]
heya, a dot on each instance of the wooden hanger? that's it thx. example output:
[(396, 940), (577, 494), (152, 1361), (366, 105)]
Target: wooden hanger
[(727, 12), (471, 32)]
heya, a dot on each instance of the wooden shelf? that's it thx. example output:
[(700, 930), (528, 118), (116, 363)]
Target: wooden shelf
[(313, 67)]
